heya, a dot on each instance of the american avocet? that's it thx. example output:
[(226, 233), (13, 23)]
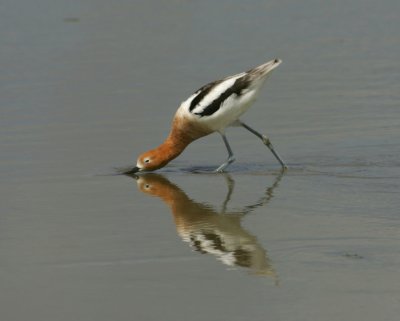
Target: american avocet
[(212, 108)]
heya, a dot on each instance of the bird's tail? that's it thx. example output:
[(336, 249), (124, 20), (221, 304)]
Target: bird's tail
[(264, 69)]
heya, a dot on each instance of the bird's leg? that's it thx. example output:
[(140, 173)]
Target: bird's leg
[(266, 142), (231, 157)]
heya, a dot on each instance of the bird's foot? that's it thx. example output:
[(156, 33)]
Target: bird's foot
[(229, 161)]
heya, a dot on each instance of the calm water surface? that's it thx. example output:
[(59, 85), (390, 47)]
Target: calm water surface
[(86, 86)]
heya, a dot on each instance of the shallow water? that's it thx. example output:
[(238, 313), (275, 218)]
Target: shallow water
[(85, 87)]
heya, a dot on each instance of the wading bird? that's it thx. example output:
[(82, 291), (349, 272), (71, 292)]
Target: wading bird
[(212, 108)]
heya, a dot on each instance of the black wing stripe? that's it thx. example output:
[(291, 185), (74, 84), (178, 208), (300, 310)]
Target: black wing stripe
[(203, 91), (238, 86)]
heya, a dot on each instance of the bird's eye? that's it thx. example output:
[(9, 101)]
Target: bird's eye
[(147, 186), (147, 160)]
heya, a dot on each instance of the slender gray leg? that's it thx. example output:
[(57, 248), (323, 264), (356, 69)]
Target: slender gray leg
[(230, 159), (266, 142)]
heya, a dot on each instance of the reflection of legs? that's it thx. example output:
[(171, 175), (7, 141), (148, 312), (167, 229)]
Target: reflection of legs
[(266, 142), (269, 194), (230, 159), (230, 183)]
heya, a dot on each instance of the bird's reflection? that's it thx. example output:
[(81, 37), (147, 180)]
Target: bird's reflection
[(213, 231)]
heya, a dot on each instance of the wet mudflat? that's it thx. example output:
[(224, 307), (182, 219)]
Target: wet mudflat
[(86, 87)]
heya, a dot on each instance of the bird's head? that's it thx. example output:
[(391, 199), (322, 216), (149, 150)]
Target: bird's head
[(150, 161)]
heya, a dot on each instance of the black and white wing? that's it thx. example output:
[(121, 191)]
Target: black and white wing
[(210, 98), (221, 102)]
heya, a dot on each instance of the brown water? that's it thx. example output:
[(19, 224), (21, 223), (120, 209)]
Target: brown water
[(86, 86)]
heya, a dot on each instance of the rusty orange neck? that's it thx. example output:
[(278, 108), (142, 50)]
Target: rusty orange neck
[(183, 132), (171, 148)]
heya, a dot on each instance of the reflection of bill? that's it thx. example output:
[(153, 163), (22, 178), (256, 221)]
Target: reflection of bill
[(211, 231)]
